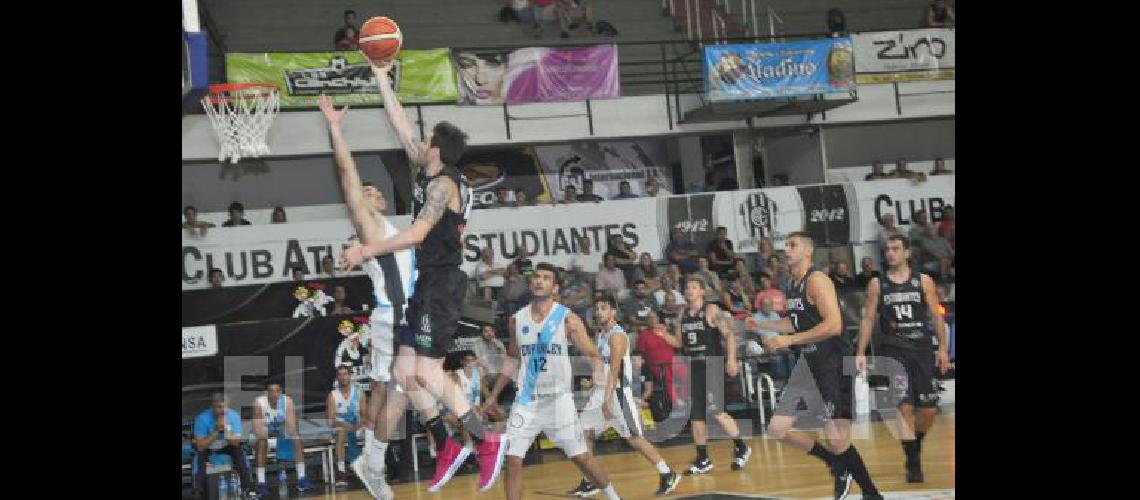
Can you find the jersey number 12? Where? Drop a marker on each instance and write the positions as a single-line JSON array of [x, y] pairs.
[[539, 364]]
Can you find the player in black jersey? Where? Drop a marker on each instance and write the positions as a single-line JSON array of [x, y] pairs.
[[817, 386], [441, 206], [907, 304], [703, 335]]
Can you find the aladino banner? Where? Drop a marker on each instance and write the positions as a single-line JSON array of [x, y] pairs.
[[767, 70], [539, 74], [417, 76]]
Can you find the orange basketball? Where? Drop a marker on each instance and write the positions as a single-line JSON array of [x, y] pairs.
[[380, 39]]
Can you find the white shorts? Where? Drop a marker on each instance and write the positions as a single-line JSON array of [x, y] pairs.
[[626, 416], [555, 416], [383, 347]]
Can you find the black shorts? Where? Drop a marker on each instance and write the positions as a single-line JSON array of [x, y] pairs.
[[704, 402], [433, 311], [817, 388], [917, 388]]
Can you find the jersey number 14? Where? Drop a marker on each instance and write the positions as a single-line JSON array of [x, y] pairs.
[[904, 311]]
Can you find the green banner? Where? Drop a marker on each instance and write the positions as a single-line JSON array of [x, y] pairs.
[[418, 76]]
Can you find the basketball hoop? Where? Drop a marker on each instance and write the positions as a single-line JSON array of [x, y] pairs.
[[241, 114]]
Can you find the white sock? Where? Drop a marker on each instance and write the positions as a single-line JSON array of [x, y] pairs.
[[662, 467], [369, 438], [611, 494], [261, 474], [300, 470], [376, 455], [340, 466]]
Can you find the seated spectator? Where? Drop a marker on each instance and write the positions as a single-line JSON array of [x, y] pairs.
[[782, 362], [940, 168], [681, 251], [217, 277], [542, 10], [673, 273], [668, 287], [571, 13], [345, 409], [833, 260], [275, 416], [842, 276], [569, 194], [656, 356], [521, 198], [343, 32], [646, 270], [488, 278], [720, 252], [278, 216], [516, 292], [610, 279], [340, 301], [902, 172], [671, 306], [520, 12], [946, 227], [503, 198], [489, 351], [651, 187], [625, 255], [737, 299], [768, 290], [195, 226], [939, 258], [635, 308], [578, 294], [939, 15], [746, 279], [349, 41], [712, 291], [624, 191], [867, 271], [237, 216], [218, 430], [525, 265], [588, 192], [920, 231], [877, 172], [328, 266], [587, 259]]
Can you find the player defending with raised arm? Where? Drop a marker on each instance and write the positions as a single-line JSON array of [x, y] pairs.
[[907, 302], [441, 205], [545, 401]]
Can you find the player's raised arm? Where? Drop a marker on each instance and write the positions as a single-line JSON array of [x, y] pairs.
[[396, 116], [350, 183]]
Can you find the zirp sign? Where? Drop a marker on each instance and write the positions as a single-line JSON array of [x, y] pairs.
[[199, 341]]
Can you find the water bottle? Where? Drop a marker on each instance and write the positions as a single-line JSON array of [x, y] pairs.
[[282, 484], [223, 489], [235, 486]]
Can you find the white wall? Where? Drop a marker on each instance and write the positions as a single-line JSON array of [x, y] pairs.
[[305, 132]]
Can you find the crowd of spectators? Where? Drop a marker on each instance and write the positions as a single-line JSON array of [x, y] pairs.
[[570, 16], [901, 171]]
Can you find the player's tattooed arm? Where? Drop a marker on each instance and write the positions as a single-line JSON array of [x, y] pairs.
[[439, 194], [396, 115]]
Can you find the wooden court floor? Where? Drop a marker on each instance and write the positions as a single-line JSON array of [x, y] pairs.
[[774, 470]]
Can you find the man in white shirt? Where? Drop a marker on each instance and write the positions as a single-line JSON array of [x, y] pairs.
[[487, 277]]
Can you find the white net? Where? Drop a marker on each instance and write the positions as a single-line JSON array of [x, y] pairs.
[[241, 118]]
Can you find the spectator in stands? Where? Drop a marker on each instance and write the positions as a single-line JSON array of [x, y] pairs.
[[867, 271], [278, 216], [842, 276], [768, 290], [571, 14], [887, 227], [939, 257], [521, 198], [712, 291], [525, 265], [668, 287], [569, 194], [489, 279], [836, 23], [192, 223], [503, 198], [516, 291], [542, 10], [489, 351], [340, 301], [349, 41], [877, 172], [673, 273], [939, 15], [328, 266], [626, 256], [520, 11], [940, 168], [902, 172], [588, 192], [610, 278], [237, 216], [635, 308], [672, 304], [782, 277], [577, 293], [349, 29], [646, 270], [833, 260], [919, 232], [746, 279], [624, 191], [298, 273], [681, 251], [737, 299], [656, 356], [587, 260], [946, 228], [217, 277], [218, 430], [651, 187], [720, 252], [781, 361]]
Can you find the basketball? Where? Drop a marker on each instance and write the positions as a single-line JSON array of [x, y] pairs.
[[380, 39]]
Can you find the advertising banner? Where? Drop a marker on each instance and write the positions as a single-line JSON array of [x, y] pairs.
[[904, 56], [768, 70]]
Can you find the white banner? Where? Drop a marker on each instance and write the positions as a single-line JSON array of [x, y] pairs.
[[606, 164], [199, 341], [900, 197], [759, 213], [894, 56]]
